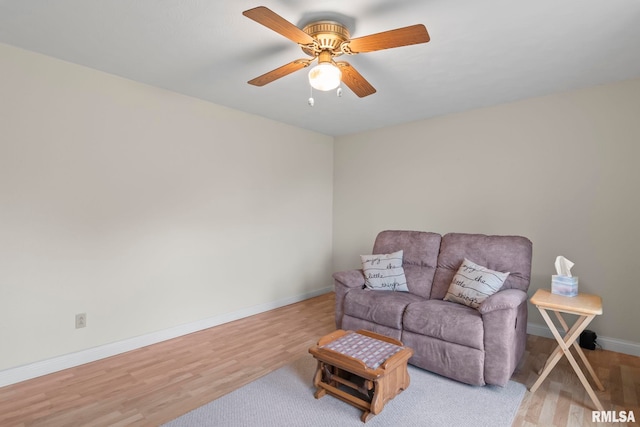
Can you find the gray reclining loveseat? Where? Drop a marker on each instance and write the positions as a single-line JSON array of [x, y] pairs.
[[476, 346]]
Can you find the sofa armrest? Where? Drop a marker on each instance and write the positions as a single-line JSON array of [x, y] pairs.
[[506, 299], [345, 281], [350, 278], [504, 316]]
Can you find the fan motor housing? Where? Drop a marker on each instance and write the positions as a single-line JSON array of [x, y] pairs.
[[328, 34]]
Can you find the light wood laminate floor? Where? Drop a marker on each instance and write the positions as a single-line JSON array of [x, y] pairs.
[[155, 384]]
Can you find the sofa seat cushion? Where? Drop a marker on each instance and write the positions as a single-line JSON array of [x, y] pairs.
[[384, 308], [447, 321]]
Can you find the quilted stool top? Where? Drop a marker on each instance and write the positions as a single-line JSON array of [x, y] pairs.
[[370, 351]]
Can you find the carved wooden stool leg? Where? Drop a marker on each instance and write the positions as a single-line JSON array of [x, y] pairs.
[[376, 402], [366, 416], [317, 378]]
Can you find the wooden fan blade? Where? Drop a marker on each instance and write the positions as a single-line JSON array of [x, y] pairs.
[[405, 36], [354, 80], [280, 72], [277, 23]]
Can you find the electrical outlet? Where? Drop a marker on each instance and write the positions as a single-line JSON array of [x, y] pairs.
[[81, 320]]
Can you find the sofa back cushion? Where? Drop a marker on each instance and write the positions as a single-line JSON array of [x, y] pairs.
[[420, 256], [501, 253]]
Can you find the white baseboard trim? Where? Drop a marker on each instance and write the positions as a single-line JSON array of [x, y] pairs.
[[611, 344], [55, 364]]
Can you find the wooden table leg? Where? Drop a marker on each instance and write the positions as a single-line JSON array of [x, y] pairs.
[[557, 352], [576, 345], [564, 345]]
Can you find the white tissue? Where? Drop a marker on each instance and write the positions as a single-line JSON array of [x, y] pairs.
[[563, 266]]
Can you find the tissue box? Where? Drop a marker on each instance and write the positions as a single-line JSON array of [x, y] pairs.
[[564, 285]]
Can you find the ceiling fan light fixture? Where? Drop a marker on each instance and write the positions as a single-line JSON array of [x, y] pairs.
[[325, 76], [325, 39]]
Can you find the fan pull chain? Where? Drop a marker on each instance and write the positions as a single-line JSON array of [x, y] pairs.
[[311, 101]]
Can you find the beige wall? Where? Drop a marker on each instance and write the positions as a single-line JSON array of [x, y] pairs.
[[145, 209], [561, 170]]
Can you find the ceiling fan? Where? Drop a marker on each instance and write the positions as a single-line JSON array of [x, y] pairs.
[[325, 40]]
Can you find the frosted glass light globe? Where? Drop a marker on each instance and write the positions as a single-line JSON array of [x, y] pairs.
[[325, 76]]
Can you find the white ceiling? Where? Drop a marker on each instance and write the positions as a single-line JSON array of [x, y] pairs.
[[481, 53]]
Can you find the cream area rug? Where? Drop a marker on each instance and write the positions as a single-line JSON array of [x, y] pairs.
[[285, 398]]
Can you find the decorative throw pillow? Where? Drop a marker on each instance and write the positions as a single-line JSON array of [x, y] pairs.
[[474, 283], [384, 272]]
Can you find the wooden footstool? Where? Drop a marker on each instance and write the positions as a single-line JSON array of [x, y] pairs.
[[361, 368]]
